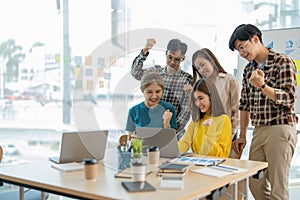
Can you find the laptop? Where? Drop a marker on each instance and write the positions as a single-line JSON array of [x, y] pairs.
[[76, 146], [164, 138]]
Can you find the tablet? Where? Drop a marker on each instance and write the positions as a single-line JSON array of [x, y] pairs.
[[138, 186]]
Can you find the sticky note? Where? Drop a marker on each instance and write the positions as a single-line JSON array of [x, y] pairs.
[[100, 72], [107, 76], [77, 72], [101, 61], [78, 60], [88, 60], [57, 58], [101, 84], [113, 61], [89, 85], [89, 72], [78, 84]]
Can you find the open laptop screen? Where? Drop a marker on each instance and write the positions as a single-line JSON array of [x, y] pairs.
[[164, 138], [76, 146]]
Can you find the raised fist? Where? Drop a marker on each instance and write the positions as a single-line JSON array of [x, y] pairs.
[[150, 43]]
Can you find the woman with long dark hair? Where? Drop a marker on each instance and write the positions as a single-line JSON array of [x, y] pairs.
[[210, 132]]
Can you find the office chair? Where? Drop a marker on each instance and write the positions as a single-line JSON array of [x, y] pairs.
[[29, 194]]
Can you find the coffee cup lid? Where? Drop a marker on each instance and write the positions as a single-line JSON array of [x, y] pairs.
[[153, 148], [136, 164], [89, 161]]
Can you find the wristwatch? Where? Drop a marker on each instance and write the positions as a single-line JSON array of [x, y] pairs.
[[263, 86]]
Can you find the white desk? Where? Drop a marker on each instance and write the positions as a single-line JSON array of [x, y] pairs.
[[45, 178]]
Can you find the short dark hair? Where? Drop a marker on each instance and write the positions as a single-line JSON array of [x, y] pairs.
[[175, 44], [209, 88], [244, 32]]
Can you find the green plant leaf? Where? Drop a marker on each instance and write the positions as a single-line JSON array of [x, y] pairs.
[[137, 145]]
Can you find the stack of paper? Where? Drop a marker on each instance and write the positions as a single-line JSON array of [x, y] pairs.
[[219, 170]]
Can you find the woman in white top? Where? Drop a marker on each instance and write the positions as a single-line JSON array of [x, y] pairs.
[[206, 65]]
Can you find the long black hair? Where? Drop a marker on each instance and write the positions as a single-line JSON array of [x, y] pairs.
[[207, 87], [208, 55]]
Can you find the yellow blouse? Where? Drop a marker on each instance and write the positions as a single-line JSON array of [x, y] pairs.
[[212, 140]]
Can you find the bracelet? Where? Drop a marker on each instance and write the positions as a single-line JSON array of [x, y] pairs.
[[263, 86]]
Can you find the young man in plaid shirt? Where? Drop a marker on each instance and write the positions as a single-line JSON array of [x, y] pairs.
[[268, 97], [174, 79]]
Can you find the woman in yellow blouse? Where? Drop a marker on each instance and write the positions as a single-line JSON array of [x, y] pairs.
[[210, 131]]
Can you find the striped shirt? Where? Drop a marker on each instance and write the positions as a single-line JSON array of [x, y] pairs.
[[174, 92], [280, 74]]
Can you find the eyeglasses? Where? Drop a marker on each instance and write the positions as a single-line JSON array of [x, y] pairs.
[[175, 59], [242, 47]]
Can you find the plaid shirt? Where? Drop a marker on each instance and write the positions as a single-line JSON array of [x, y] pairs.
[[173, 92], [280, 74]]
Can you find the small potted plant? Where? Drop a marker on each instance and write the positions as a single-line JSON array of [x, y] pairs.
[[137, 149]]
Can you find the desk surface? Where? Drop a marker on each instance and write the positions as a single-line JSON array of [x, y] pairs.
[[43, 176]]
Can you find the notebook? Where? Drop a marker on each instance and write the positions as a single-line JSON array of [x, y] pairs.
[[173, 170], [76, 146], [164, 138], [173, 167]]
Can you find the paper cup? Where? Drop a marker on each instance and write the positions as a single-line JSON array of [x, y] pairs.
[[153, 155], [138, 171], [90, 169]]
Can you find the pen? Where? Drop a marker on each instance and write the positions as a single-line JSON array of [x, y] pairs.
[[142, 185], [219, 162], [186, 155], [225, 167], [148, 173], [210, 164]]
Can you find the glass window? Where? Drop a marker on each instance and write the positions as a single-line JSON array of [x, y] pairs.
[[66, 67]]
